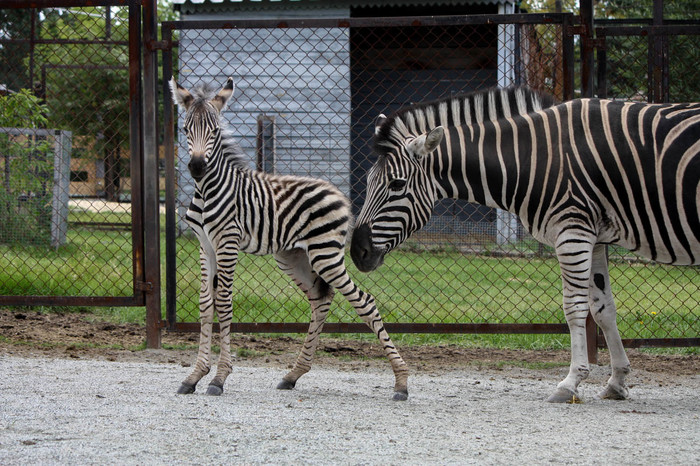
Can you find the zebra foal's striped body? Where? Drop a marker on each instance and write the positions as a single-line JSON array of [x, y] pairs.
[[580, 175], [303, 222]]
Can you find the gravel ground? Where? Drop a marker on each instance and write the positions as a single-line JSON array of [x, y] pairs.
[[87, 411]]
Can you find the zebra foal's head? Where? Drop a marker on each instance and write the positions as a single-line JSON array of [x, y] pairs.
[[400, 193], [202, 122]]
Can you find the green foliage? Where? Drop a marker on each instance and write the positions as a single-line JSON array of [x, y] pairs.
[[628, 56], [14, 24], [25, 200], [22, 110]]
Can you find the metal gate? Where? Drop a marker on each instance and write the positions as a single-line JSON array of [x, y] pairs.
[[78, 224]]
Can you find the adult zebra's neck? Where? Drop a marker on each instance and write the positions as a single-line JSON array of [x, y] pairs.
[[458, 169], [478, 163]]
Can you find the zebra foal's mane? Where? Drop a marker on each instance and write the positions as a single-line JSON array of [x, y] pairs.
[[202, 94], [462, 109]]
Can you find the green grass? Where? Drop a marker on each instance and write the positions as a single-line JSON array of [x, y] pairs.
[[412, 286]]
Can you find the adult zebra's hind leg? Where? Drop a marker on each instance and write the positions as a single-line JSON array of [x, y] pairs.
[[320, 295], [603, 309], [332, 270], [574, 252]]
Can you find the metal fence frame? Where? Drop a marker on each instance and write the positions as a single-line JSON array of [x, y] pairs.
[[566, 20], [143, 45], [571, 27], [144, 225]]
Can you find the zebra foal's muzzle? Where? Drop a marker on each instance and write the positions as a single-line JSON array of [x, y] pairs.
[[197, 167], [363, 253]]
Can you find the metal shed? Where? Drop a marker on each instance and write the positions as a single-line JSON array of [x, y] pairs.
[[306, 99]]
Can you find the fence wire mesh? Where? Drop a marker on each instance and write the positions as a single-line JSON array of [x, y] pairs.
[[305, 104], [319, 90], [65, 153]]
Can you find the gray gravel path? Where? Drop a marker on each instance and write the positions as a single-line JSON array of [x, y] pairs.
[[62, 411]]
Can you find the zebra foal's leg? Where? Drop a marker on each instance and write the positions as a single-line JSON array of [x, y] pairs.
[[206, 319], [333, 271], [604, 312], [227, 258], [320, 295], [574, 255]]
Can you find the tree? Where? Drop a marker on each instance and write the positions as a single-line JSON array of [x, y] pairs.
[[14, 24], [86, 84]]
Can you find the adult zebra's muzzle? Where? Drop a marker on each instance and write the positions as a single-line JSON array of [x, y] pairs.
[[197, 166], [363, 253]]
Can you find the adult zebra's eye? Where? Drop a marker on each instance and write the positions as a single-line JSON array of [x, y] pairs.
[[397, 184]]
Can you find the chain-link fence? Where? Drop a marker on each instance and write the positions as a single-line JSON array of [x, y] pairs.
[[305, 102], [66, 158], [307, 95], [642, 62]]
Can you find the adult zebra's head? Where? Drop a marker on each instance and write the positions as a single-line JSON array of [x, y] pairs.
[[400, 193], [202, 122]]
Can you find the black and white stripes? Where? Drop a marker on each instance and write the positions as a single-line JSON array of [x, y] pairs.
[[303, 222], [580, 175]]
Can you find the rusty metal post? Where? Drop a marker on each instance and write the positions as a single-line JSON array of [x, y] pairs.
[[170, 204], [602, 64], [659, 61], [587, 62], [151, 211], [568, 57]]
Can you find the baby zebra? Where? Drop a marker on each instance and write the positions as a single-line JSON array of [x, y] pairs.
[[302, 222]]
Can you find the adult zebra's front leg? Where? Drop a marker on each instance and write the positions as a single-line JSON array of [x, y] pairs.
[[295, 263]]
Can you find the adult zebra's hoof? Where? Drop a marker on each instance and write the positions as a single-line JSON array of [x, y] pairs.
[[401, 395], [564, 395], [186, 389], [285, 385]]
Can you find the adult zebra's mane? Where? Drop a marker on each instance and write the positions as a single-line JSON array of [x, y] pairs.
[[462, 109], [232, 151]]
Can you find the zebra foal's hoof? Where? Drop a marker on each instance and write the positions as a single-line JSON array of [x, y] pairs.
[[285, 385], [614, 393], [401, 395], [564, 395], [186, 389], [215, 390]]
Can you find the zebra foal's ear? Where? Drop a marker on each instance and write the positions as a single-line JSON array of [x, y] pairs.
[[219, 102], [378, 122], [427, 142], [181, 96]]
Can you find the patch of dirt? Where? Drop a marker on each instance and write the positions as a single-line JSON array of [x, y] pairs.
[[74, 335]]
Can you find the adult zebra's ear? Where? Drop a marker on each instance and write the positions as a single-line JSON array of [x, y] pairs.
[[181, 96], [221, 99], [426, 142], [379, 122]]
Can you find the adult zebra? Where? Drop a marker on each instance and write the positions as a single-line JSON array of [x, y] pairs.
[[303, 222], [580, 175]]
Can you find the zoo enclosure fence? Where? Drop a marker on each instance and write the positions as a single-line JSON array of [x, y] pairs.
[[78, 222], [307, 93], [327, 80]]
